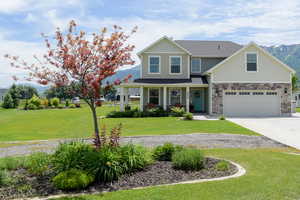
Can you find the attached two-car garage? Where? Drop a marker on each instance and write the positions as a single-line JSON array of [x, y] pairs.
[[238, 103]]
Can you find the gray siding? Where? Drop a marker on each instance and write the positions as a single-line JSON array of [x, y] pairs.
[[207, 63]]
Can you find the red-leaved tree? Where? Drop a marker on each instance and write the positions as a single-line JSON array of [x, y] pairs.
[[82, 61]]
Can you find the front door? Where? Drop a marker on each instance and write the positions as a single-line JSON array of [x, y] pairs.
[[198, 100]]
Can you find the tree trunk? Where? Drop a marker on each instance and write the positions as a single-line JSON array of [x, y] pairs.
[[97, 141]]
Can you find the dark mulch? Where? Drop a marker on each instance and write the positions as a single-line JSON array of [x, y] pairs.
[[156, 174]]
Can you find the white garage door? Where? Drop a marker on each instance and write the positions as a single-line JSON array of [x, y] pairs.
[[251, 103]]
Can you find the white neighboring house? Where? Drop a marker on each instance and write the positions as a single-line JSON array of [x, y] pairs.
[[213, 77], [296, 98], [2, 93]]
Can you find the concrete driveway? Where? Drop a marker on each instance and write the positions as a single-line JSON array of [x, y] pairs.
[[285, 130]]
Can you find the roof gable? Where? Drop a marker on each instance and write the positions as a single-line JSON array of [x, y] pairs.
[[165, 45], [259, 49]]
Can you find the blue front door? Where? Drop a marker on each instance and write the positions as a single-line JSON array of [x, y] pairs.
[[198, 100]]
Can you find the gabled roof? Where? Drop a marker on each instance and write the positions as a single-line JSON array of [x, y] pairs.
[[246, 46], [215, 49], [162, 38]]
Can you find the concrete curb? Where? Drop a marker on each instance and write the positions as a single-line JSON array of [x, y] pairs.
[[241, 171]]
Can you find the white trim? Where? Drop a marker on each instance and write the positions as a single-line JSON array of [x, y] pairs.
[[141, 98], [157, 41], [165, 98], [159, 63], [180, 91], [170, 64], [242, 49], [187, 99], [189, 66], [141, 70], [163, 52], [246, 61], [158, 94], [192, 64]]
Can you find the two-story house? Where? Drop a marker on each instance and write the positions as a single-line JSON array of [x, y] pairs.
[[213, 77]]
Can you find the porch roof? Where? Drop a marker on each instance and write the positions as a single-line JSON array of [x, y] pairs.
[[195, 80]]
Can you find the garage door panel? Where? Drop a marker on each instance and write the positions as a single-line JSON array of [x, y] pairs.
[[251, 105]]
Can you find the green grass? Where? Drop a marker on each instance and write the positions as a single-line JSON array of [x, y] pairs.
[[270, 175], [20, 125], [297, 109]]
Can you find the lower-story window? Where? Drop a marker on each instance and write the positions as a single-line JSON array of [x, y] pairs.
[[154, 96], [175, 96]]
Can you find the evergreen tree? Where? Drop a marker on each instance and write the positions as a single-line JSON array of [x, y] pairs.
[[15, 95], [8, 101]]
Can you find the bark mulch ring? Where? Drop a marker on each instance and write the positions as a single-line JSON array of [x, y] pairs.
[[159, 173]]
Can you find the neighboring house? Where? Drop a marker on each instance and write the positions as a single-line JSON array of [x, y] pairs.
[[2, 93], [296, 97], [133, 93], [213, 77]]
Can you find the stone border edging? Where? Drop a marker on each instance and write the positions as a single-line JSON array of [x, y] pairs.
[[241, 171]]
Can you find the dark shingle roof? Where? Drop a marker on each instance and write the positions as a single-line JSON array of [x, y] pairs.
[[192, 80], [209, 48]]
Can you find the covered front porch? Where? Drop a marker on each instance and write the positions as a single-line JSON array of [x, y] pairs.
[[192, 97]]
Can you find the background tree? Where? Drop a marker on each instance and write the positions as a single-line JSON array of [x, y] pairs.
[[8, 101], [62, 92], [294, 83], [15, 95], [26, 91], [73, 58]]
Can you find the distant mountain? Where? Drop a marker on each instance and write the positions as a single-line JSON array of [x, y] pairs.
[[134, 71], [289, 54]]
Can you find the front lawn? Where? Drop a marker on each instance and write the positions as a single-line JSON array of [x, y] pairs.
[[271, 175], [20, 125]]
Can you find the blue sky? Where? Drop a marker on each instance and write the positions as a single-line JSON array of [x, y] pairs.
[[267, 22]]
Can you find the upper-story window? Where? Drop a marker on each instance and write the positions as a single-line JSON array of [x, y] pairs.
[[196, 65], [251, 59], [154, 64], [175, 64]]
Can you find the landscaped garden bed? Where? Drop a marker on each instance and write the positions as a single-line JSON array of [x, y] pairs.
[[76, 167]]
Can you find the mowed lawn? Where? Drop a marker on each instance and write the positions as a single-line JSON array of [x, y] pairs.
[[271, 175], [20, 125]]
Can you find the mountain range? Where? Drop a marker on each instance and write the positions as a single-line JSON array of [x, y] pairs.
[[289, 54]]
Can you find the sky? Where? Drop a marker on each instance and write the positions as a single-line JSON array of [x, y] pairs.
[[266, 22]]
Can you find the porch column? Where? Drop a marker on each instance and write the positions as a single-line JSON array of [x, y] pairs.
[[187, 94], [165, 98], [122, 98], [141, 98], [126, 95]]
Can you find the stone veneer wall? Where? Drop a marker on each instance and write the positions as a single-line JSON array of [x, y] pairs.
[[218, 88]]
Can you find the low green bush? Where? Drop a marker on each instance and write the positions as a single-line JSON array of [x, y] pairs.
[[135, 157], [188, 159], [153, 112], [31, 106], [5, 178], [36, 101], [109, 165], [165, 152], [72, 179], [67, 104], [75, 154], [188, 116], [55, 102], [177, 111], [38, 163], [11, 163], [222, 117], [223, 165]]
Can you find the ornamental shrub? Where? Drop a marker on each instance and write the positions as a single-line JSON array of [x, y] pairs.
[[11, 163], [31, 107], [109, 165], [222, 117], [35, 101], [67, 104], [77, 155], [188, 116], [55, 102], [38, 163], [165, 152], [188, 159], [72, 179], [135, 157], [8, 101], [223, 165], [5, 178], [177, 111]]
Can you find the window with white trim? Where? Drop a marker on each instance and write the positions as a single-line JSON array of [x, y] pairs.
[[154, 96], [175, 96], [154, 62], [196, 65], [175, 64], [251, 62]]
